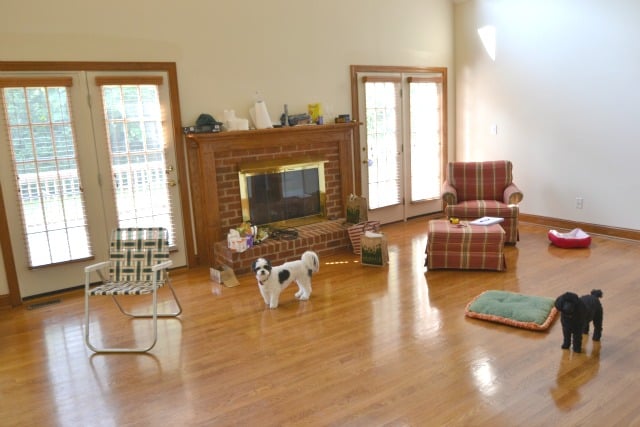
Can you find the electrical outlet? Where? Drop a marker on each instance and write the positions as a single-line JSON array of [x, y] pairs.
[[579, 202]]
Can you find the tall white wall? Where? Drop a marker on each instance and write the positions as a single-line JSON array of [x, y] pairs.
[[563, 95], [295, 53]]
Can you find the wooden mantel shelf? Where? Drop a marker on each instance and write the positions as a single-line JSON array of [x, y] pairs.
[[230, 139], [213, 171]]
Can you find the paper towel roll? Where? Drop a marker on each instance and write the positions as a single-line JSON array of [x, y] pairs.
[[262, 119]]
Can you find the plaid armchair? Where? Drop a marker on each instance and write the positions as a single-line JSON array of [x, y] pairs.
[[476, 189]]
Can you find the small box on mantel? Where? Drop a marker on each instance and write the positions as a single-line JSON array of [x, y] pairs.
[[224, 275]]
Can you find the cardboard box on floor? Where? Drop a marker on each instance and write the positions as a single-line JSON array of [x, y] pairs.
[[224, 275]]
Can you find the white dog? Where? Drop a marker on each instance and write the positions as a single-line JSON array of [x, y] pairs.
[[273, 280]]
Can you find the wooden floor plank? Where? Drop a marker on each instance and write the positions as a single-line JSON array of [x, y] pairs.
[[373, 346]]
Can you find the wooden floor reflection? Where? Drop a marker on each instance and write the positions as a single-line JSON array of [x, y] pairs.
[[373, 346]]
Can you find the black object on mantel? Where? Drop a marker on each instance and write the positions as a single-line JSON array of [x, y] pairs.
[[204, 124]]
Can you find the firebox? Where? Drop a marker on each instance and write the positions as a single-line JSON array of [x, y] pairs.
[[283, 192]]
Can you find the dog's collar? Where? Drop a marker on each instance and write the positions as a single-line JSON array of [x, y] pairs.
[[260, 283]]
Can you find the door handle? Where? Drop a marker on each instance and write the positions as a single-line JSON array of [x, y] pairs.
[[171, 183]]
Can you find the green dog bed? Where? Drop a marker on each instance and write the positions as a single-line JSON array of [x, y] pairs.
[[513, 309]]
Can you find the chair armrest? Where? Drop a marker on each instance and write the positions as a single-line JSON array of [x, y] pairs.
[[512, 194], [162, 265], [98, 266], [449, 193]]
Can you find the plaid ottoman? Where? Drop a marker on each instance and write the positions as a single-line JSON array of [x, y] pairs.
[[464, 246]]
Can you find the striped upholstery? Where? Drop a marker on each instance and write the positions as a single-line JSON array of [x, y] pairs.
[[468, 247], [133, 251], [480, 180], [476, 189]]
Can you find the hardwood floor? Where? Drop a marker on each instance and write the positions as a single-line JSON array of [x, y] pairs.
[[373, 346]]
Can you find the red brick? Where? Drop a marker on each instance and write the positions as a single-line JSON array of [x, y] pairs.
[[324, 238]]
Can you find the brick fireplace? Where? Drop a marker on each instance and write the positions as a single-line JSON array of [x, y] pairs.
[[214, 161]]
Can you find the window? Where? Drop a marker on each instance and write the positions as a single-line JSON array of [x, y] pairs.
[[383, 113], [133, 121], [425, 95], [42, 145]]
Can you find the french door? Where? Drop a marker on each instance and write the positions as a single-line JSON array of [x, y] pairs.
[[402, 142], [83, 153]]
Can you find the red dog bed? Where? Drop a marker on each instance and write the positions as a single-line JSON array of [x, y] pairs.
[[575, 238]]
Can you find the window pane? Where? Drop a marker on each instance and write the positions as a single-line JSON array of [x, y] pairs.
[[44, 158], [38, 108], [22, 144], [59, 105], [383, 140], [426, 134], [16, 106], [136, 142]]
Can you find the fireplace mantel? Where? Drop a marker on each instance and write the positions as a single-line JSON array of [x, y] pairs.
[[214, 160]]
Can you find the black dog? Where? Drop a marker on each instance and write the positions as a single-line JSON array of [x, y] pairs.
[[576, 313]]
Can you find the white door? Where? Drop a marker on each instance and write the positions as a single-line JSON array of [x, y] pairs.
[[401, 143], [63, 166]]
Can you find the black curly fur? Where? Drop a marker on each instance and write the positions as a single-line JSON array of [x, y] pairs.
[[576, 313]]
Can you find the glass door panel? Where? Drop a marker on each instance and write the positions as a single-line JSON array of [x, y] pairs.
[[136, 148], [42, 145]]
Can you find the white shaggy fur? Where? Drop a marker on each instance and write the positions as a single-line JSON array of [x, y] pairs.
[[273, 280]]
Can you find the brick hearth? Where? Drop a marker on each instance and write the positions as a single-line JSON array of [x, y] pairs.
[[214, 161], [323, 237]]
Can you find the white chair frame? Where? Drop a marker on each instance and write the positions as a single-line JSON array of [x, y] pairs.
[[99, 268]]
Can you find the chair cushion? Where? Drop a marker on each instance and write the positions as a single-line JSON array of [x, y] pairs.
[[480, 180], [124, 288], [479, 208]]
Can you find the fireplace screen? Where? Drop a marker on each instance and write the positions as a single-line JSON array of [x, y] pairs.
[[290, 194]]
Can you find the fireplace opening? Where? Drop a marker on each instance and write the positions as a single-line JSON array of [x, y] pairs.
[[283, 194]]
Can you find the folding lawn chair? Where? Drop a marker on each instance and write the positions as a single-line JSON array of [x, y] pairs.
[[138, 263]]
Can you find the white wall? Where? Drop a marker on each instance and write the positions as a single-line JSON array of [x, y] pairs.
[[563, 93], [294, 53]]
